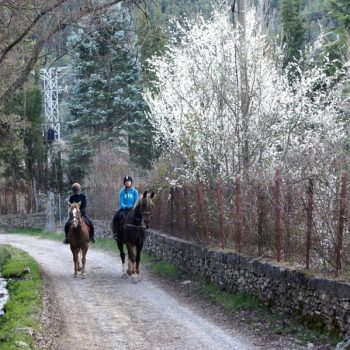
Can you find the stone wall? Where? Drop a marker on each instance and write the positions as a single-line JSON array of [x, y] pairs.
[[323, 303], [102, 228], [37, 220]]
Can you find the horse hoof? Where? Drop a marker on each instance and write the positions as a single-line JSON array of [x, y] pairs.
[[128, 272], [124, 276], [83, 276], [135, 278], [75, 275]]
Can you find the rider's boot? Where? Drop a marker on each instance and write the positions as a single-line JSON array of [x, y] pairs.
[[92, 234], [66, 240], [66, 228]]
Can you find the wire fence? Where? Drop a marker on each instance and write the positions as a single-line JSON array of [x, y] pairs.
[[302, 222]]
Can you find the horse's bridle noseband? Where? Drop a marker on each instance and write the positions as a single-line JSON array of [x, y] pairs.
[[139, 220], [76, 217]]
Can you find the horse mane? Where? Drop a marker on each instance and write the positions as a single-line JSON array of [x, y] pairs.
[[135, 212], [148, 199]]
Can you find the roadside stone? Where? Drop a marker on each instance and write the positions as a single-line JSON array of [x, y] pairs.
[[25, 330], [21, 344], [26, 271]]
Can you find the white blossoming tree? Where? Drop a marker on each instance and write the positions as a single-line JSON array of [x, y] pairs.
[[227, 108]]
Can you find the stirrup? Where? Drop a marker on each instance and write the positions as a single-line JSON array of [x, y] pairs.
[[66, 241], [92, 239]]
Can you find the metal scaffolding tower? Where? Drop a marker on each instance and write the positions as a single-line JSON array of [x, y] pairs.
[[52, 117], [52, 134]]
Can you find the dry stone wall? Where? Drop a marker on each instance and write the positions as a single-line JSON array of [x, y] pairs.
[[37, 220], [322, 302]]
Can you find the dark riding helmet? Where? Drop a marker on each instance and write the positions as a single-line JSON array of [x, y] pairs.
[[76, 187], [127, 178]]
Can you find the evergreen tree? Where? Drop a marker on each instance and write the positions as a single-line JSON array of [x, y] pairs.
[[24, 159], [293, 29], [106, 102], [340, 12], [151, 37]]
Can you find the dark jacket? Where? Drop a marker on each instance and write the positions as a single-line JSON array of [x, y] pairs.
[[76, 198]]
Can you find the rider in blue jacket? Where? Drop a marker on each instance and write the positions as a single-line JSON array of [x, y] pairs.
[[128, 196]]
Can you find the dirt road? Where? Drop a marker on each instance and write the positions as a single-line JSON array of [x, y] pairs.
[[105, 311]]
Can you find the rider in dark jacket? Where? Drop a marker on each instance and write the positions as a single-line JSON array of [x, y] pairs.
[[77, 197], [128, 196]]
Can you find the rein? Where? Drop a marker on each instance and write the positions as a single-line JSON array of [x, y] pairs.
[[139, 226]]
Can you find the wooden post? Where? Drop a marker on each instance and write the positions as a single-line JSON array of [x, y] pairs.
[[221, 214], [187, 220], [278, 214], [261, 210], [171, 210], [310, 193], [342, 210], [202, 209], [239, 214]]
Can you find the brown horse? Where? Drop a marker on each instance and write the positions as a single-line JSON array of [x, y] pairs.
[[78, 236], [133, 233]]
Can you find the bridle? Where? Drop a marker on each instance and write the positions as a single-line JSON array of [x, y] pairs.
[[75, 219], [139, 220]]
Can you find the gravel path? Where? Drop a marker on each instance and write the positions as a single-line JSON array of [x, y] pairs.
[[105, 311]]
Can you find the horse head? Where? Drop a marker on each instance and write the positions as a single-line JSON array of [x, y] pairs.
[[74, 214], [145, 208]]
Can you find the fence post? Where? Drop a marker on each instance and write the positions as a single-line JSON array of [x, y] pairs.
[[260, 217], [342, 209], [288, 213], [187, 221], [177, 214], [278, 213], [239, 219], [221, 214], [310, 195], [171, 210], [202, 210]]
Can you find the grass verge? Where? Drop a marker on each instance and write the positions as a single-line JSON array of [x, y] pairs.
[[24, 284], [233, 302]]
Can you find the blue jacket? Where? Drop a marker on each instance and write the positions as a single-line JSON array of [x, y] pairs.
[[128, 197]]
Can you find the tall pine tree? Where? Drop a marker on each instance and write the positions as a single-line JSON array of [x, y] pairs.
[[340, 12], [293, 29], [106, 102]]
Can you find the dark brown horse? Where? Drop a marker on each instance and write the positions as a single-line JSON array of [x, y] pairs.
[[133, 233], [78, 236]]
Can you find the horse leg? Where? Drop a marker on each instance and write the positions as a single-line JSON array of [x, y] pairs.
[[131, 259], [138, 258], [83, 261], [75, 260], [122, 256], [79, 259]]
